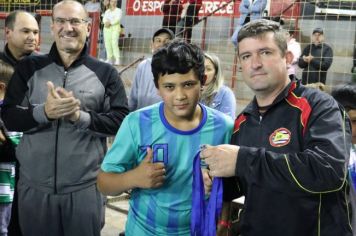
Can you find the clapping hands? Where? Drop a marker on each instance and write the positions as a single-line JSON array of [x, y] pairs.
[[61, 104]]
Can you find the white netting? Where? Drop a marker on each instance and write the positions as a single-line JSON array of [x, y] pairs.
[[142, 17]]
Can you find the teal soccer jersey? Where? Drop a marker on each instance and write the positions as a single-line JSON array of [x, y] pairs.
[[164, 210]]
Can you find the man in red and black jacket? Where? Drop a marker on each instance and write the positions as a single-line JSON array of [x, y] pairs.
[[290, 148]]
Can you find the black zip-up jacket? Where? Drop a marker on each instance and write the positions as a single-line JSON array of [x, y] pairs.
[[59, 156], [7, 56], [316, 70], [292, 166]]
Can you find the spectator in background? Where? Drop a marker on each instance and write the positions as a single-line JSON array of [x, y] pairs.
[[66, 102], [92, 6], [172, 10], [143, 91], [249, 10], [22, 39], [111, 20], [215, 94], [22, 36], [294, 48], [346, 96], [102, 52], [189, 17], [316, 59]]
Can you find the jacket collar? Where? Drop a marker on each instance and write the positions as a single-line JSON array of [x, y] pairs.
[[252, 107], [54, 55], [10, 59]]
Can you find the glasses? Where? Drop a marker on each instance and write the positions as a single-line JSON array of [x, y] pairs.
[[72, 21]]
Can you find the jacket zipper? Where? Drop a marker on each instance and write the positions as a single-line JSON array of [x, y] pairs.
[[57, 135]]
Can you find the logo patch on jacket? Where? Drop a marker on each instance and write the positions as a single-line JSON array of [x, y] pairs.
[[280, 137]]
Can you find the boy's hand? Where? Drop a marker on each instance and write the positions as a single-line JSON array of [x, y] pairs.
[[208, 181], [150, 175]]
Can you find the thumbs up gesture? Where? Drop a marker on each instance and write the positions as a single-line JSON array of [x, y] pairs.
[[148, 174]]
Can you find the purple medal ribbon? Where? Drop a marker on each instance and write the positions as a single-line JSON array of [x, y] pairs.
[[205, 213]]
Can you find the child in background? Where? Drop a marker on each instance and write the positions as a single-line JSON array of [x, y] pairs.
[[7, 169], [155, 147], [215, 94], [111, 20]]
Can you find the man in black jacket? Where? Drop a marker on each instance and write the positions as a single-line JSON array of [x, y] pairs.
[[290, 147], [316, 59], [22, 36]]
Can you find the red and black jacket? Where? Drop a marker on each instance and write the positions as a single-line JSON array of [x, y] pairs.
[[291, 166]]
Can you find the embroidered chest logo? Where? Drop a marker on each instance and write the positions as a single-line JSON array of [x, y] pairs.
[[280, 137]]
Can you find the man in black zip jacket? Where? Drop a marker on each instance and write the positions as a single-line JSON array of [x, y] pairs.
[[66, 103], [22, 38], [289, 151]]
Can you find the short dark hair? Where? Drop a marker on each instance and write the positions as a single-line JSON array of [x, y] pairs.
[[11, 18], [345, 95], [258, 28], [6, 71], [178, 57]]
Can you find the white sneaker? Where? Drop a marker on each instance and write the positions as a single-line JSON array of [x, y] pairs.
[[108, 61], [117, 62]]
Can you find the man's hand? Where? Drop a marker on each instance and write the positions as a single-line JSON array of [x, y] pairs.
[[221, 159], [308, 59], [148, 174], [57, 107], [208, 181], [65, 94]]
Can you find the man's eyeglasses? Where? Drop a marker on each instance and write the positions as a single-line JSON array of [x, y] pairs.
[[72, 21]]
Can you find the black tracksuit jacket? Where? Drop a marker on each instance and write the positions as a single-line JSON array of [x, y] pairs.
[[291, 166]]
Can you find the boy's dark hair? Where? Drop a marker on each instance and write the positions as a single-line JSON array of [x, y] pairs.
[[6, 71], [345, 95], [258, 28], [178, 57]]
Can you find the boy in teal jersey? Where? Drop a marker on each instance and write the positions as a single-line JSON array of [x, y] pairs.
[[154, 149]]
